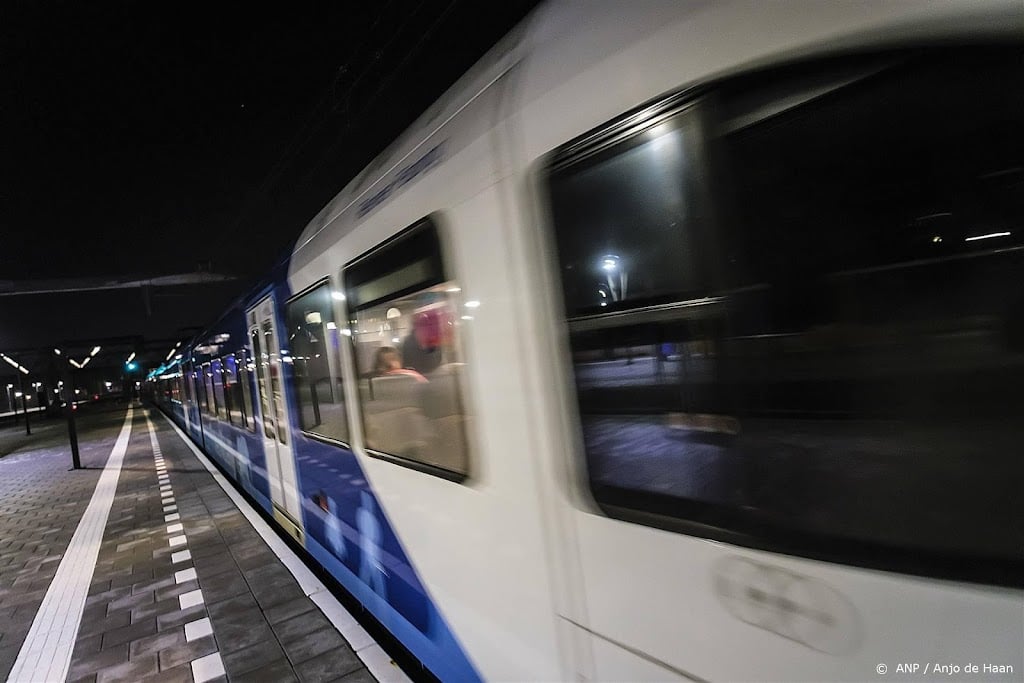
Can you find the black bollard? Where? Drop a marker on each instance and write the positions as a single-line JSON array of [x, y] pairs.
[[73, 436], [24, 406]]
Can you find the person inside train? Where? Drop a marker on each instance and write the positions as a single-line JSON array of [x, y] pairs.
[[388, 361], [421, 348]]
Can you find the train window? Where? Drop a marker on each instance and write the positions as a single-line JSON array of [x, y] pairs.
[[217, 369], [186, 380], [314, 340], [862, 340], [232, 390], [405, 332], [200, 387], [261, 360], [245, 369], [207, 378], [630, 221]]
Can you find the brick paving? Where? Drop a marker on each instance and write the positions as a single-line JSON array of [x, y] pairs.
[[217, 602], [41, 503]]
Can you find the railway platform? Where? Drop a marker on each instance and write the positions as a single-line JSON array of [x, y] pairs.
[[145, 565]]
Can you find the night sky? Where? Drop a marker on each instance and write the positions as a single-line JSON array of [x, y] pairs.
[[139, 140]]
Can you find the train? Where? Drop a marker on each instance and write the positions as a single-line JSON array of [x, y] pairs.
[[675, 341]]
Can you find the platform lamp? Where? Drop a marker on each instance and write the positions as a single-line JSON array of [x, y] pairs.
[[21, 383]]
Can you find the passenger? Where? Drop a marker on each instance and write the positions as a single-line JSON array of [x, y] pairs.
[[388, 361], [422, 347]]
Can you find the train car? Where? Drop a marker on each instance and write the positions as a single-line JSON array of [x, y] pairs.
[[678, 340]]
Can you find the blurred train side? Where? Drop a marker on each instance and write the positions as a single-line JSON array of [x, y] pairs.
[[519, 565]]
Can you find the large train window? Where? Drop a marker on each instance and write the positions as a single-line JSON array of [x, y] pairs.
[[860, 340], [314, 340], [405, 332]]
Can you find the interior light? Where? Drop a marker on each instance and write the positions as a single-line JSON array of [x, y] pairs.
[[337, 296], [94, 351], [473, 304]]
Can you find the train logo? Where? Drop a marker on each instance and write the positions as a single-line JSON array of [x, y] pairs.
[[792, 605]]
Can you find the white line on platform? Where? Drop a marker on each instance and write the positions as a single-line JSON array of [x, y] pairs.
[[46, 653]]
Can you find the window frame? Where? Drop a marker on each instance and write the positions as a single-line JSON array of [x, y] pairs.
[[374, 263], [342, 367]]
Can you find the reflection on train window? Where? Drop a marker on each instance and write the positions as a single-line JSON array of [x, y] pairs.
[[405, 332], [207, 377], [200, 387], [314, 341], [233, 391], [186, 380], [245, 369], [259, 366], [864, 343], [217, 368], [629, 222]]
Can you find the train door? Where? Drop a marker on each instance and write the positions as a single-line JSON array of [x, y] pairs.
[[280, 462]]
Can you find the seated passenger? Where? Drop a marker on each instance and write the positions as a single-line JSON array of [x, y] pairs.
[[388, 361]]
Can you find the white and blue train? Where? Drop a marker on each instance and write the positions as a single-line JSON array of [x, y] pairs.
[[678, 340]]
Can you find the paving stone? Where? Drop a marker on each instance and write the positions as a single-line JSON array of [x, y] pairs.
[[328, 666], [313, 644], [174, 590], [268, 598], [299, 626], [287, 610], [130, 601], [235, 634], [153, 584], [182, 654], [100, 660], [224, 585], [252, 657], [179, 674], [130, 671], [129, 633], [155, 609], [90, 678], [361, 675], [211, 565], [279, 671], [155, 643], [114, 621], [241, 605], [90, 645]]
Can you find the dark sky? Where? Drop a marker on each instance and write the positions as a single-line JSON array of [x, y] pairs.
[[139, 140]]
